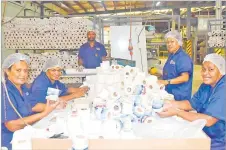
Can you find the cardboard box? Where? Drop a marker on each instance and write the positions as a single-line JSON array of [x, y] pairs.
[[150, 144], [201, 143], [51, 144]]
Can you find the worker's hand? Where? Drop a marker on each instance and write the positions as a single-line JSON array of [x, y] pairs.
[[168, 112], [79, 93], [62, 104], [50, 107], [84, 88], [169, 103], [162, 82]]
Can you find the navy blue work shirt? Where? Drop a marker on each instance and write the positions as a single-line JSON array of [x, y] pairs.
[[211, 101], [40, 86], [21, 103], [176, 64], [92, 56]]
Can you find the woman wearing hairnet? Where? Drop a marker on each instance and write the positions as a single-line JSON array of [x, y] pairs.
[[208, 101], [49, 78], [178, 69], [15, 68]]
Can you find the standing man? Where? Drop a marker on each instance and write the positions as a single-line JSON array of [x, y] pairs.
[[92, 53], [178, 69]]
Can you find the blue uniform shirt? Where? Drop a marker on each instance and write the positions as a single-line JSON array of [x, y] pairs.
[[40, 86], [175, 65], [211, 101], [92, 56], [21, 103]]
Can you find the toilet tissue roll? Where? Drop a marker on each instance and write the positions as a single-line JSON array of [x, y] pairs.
[[113, 93], [128, 89], [99, 87], [80, 142], [104, 94], [101, 78], [127, 108], [148, 119], [105, 65], [110, 127], [127, 124], [116, 109], [139, 111]]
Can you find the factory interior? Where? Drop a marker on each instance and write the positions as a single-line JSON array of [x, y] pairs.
[[104, 75]]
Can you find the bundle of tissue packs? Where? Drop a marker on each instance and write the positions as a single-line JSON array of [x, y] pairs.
[[133, 93], [52, 94]]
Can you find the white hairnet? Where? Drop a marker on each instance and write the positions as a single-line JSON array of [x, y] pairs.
[[52, 63], [217, 60], [176, 35], [91, 31], [14, 58]]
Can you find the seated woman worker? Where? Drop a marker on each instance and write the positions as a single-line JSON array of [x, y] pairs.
[[49, 78], [209, 101], [14, 93]]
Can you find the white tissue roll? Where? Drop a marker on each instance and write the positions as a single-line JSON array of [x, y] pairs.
[[105, 65], [127, 125], [128, 89], [80, 142], [74, 125], [52, 97], [104, 94], [113, 92], [148, 119], [139, 78], [127, 108], [99, 87], [139, 111], [111, 129], [101, 78], [116, 109]]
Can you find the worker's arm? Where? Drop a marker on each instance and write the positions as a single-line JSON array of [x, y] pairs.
[[190, 116], [184, 77], [183, 105], [74, 90], [80, 62], [14, 125], [104, 58], [71, 96], [39, 107]]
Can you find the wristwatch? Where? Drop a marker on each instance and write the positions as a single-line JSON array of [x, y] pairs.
[[168, 81]]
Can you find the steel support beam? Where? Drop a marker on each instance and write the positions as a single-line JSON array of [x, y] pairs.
[[218, 9], [176, 12], [69, 6], [54, 8], [144, 9], [188, 23], [114, 3], [58, 5], [103, 4], [41, 10], [92, 5], [83, 8]]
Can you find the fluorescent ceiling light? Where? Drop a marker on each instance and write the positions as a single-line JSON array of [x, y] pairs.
[[158, 3]]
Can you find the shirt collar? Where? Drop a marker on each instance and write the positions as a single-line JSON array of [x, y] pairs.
[[47, 78], [178, 51], [221, 81], [10, 85], [95, 43]]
